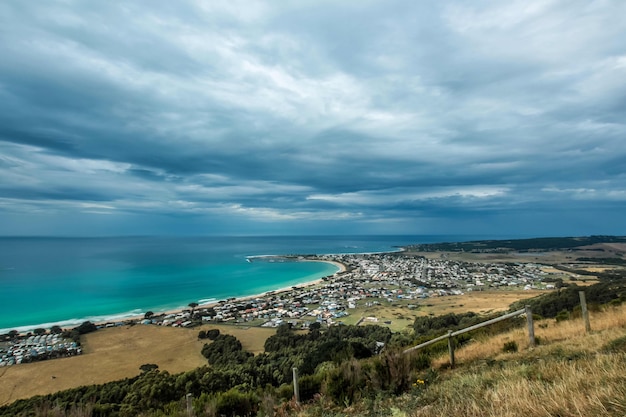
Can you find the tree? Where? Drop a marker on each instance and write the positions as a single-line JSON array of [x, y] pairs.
[[56, 329], [147, 367], [86, 327], [315, 326], [39, 331], [148, 314]]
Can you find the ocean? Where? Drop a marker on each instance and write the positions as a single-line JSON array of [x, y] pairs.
[[65, 281]]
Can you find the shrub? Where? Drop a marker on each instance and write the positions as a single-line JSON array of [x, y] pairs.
[[285, 392], [562, 316], [308, 386], [212, 334], [235, 403], [147, 367]]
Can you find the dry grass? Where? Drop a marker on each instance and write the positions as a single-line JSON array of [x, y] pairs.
[[564, 376], [482, 302], [402, 318], [606, 325], [117, 353], [590, 387]]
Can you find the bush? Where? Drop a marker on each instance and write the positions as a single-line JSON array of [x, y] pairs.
[[212, 334], [235, 403], [562, 316], [308, 386], [285, 392], [147, 367]]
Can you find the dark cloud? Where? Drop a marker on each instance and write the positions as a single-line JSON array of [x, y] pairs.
[[238, 117]]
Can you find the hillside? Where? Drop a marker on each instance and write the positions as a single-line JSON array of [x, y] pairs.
[[359, 368], [569, 374]]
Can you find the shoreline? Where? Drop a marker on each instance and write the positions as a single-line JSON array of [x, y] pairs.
[[282, 290], [137, 314]]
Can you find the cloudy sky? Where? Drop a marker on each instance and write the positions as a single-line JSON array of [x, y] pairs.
[[324, 117]]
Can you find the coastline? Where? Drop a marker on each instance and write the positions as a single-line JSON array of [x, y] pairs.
[[138, 314], [282, 290]]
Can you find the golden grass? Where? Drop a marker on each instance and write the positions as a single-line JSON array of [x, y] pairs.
[[117, 353], [402, 318], [477, 301], [593, 387], [566, 375]]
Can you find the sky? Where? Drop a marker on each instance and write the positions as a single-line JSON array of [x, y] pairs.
[[312, 117]]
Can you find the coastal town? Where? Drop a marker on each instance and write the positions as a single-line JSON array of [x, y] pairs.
[[363, 281]]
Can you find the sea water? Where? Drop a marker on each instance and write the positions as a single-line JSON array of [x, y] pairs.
[[46, 281]]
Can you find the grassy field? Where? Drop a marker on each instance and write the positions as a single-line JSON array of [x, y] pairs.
[[401, 317], [117, 353]]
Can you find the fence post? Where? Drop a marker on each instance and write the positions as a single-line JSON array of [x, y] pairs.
[[296, 389], [451, 348], [189, 404], [583, 306], [531, 326]]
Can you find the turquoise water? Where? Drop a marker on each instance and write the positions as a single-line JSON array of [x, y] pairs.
[[44, 281]]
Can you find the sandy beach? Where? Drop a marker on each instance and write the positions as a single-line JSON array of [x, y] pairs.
[[139, 317]]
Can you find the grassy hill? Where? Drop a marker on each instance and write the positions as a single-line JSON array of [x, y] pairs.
[[569, 374]]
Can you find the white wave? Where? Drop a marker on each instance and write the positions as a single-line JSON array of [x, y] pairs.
[[71, 323]]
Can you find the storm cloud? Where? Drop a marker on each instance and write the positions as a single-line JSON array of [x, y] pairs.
[[312, 117]]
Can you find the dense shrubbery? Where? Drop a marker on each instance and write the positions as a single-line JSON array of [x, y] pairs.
[[567, 299], [236, 381], [543, 243], [225, 350], [77, 332]]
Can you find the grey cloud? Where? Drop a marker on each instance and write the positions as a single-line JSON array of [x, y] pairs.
[[251, 112]]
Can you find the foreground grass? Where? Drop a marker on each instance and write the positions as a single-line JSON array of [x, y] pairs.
[[569, 374]]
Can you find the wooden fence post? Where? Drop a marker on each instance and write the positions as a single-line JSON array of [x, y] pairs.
[[451, 348], [296, 388], [531, 326], [189, 404], [583, 306]]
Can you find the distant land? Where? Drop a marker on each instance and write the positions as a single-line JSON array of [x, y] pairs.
[[532, 244]]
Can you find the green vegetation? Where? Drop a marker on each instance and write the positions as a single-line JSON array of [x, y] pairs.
[[606, 261], [536, 244], [236, 381], [566, 299], [84, 328]]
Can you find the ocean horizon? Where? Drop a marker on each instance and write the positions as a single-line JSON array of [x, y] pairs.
[[67, 280]]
